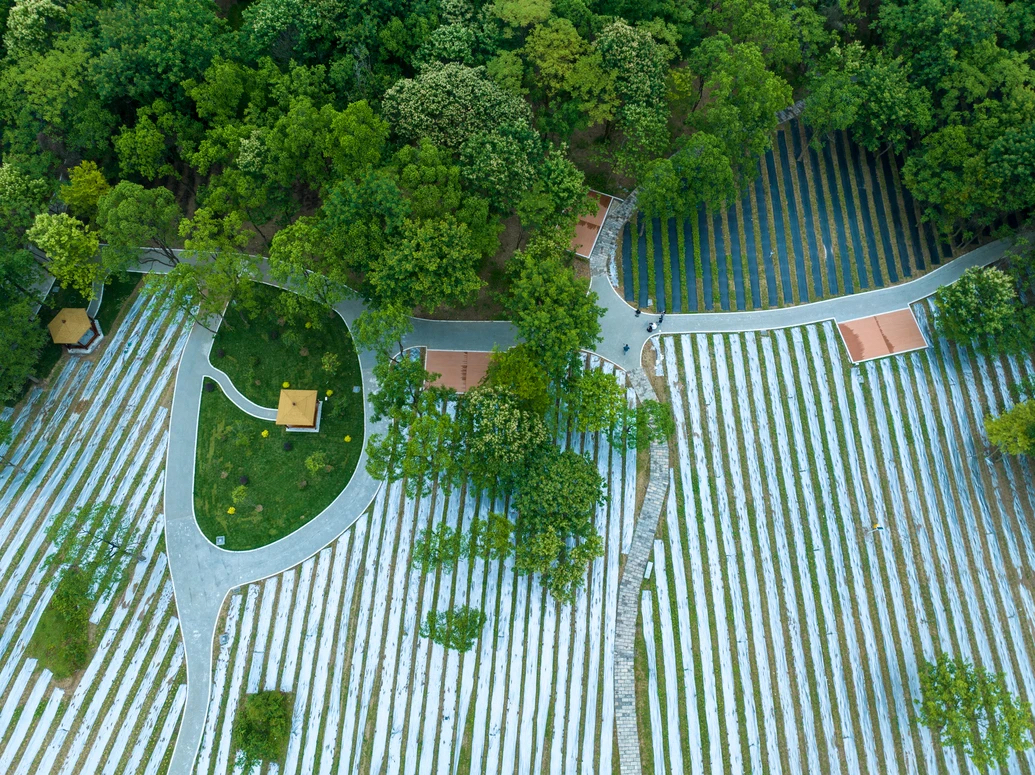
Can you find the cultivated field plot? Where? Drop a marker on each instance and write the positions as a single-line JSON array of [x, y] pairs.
[[788, 630], [826, 224], [535, 694], [97, 435]]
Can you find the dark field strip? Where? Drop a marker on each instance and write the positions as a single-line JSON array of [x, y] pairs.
[[811, 225]]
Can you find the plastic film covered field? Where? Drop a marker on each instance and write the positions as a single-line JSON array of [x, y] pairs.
[[789, 629], [97, 435], [341, 631]]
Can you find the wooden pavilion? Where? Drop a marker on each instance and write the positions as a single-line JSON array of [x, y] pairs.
[[75, 330], [299, 410]]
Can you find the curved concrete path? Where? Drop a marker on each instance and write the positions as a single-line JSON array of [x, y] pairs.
[[203, 574]]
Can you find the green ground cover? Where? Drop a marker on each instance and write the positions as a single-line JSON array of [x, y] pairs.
[[272, 490], [61, 640], [266, 352]]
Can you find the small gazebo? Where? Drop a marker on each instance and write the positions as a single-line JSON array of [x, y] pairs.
[[299, 410], [75, 329]]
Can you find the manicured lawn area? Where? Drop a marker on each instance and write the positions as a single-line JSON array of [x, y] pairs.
[[284, 489], [270, 350]]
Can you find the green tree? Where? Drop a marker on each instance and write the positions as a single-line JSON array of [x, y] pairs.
[[262, 728], [381, 329], [86, 186], [500, 164], [22, 339], [501, 438], [743, 97], [554, 311], [517, 371], [302, 258], [213, 274], [557, 198], [598, 402], [1013, 431], [556, 502], [432, 264], [977, 308], [698, 173], [22, 198], [31, 24], [131, 217], [971, 707], [449, 104], [71, 250], [458, 628]]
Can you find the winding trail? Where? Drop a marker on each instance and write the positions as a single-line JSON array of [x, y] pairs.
[[203, 574]]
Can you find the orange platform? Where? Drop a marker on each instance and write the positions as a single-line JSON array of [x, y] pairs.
[[880, 335]]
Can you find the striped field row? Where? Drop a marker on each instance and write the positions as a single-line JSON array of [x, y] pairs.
[[828, 527], [97, 435]]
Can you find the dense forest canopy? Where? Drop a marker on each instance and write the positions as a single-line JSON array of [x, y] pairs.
[[385, 145]]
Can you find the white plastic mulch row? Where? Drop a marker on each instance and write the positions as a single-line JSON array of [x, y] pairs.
[[838, 524], [341, 632], [70, 442]]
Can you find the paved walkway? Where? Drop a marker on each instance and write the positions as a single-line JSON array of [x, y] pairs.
[[203, 575]]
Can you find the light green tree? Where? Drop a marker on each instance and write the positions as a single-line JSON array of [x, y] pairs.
[[977, 308], [1013, 431], [131, 217], [381, 329], [972, 708], [698, 173], [500, 437], [71, 250], [86, 185]]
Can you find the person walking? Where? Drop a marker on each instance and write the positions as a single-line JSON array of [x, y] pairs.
[[637, 312], [650, 328]]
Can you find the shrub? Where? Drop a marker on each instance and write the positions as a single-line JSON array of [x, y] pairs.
[[331, 363], [458, 628], [316, 463], [262, 728]]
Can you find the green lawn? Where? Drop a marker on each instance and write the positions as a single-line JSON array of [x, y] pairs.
[[261, 356], [258, 358]]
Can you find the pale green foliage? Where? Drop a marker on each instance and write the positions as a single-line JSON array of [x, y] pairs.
[[971, 707], [86, 186], [71, 250], [448, 43], [501, 437], [597, 402], [522, 13], [30, 24], [300, 258], [21, 199], [976, 308], [315, 464], [1013, 431], [450, 103], [517, 371]]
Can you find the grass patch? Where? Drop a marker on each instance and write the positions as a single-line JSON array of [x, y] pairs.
[[261, 354], [61, 642], [231, 446], [115, 295]]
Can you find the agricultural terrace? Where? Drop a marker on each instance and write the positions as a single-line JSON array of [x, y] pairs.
[[810, 226], [827, 529], [341, 632], [96, 435]]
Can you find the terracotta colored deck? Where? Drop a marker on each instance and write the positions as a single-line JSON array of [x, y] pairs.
[[880, 335], [589, 226], [459, 369]]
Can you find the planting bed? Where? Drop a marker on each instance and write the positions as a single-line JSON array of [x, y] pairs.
[[789, 629], [535, 694], [97, 435], [809, 227]]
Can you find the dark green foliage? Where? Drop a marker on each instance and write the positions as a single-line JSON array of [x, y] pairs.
[[262, 728], [972, 708], [983, 309], [458, 628]]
